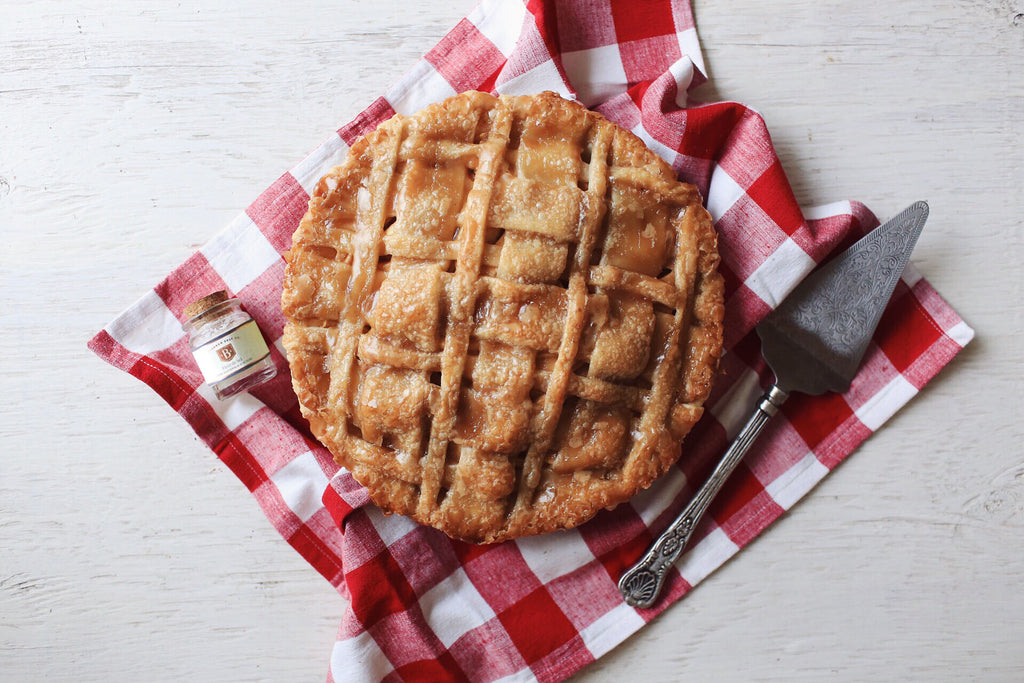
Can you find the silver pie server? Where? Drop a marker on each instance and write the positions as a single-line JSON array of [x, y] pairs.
[[813, 343]]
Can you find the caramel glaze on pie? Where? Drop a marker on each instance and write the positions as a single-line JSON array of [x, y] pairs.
[[504, 314]]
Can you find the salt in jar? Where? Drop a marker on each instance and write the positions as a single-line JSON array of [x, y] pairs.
[[227, 345]]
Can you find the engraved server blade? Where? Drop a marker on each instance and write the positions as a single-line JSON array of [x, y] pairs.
[[813, 342]]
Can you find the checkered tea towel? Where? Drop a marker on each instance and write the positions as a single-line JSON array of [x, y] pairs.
[[424, 607]]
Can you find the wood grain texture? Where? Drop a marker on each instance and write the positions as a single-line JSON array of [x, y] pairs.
[[132, 131]]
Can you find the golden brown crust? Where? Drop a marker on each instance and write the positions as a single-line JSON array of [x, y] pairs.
[[504, 314]]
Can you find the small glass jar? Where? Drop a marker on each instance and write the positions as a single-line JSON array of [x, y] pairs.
[[227, 345]]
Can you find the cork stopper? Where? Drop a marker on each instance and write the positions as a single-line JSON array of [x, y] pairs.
[[201, 306]]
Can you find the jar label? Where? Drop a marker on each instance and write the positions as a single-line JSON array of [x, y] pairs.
[[231, 353]]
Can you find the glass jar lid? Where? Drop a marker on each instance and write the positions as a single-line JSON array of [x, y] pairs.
[[200, 306]]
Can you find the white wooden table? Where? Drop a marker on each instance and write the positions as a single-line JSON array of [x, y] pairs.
[[130, 132]]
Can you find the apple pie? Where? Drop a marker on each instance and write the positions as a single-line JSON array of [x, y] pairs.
[[503, 314]]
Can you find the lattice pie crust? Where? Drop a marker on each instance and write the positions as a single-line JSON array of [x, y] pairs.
[[504, 314]]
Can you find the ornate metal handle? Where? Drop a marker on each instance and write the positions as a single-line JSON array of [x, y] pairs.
[[641, 584]]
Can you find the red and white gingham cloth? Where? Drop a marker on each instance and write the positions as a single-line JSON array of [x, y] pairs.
[[424, 607]]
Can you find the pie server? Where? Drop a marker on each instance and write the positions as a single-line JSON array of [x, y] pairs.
[[813, 343]]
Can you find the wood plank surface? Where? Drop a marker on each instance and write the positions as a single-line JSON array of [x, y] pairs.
[[131, 131]]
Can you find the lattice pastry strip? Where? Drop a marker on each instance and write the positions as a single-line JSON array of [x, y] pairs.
[[503, 314]]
